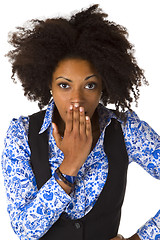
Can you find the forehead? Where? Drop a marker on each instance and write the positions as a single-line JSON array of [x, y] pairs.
[[74, 67]]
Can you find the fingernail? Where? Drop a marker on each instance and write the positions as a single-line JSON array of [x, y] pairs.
[[87, 118], [81, 109], [76, 105], [71, 107]]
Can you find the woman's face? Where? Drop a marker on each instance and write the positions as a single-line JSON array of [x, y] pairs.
[[76, 81]]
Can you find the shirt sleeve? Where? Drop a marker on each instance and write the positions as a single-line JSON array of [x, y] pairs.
[[32, 212], [143, 147]]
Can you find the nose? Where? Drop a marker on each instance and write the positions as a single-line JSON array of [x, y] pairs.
[[77, 97]]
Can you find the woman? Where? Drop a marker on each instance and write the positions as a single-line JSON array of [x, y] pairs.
[[65, 168]]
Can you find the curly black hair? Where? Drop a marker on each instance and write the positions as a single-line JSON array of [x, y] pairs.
[[86, 35]]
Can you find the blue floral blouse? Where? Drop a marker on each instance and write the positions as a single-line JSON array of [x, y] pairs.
[[33, 212]]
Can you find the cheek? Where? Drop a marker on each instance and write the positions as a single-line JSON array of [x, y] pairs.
[[62, 109], [58, 99], [94, 100]]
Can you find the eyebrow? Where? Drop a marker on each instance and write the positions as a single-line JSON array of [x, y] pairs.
[[69, 80]]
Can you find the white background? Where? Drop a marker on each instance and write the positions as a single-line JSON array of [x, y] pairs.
[[142, 19]]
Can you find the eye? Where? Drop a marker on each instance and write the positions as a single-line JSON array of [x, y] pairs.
[[63, 85], [91, 86]]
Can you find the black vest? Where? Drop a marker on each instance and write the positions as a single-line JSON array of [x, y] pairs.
[[102, 222]]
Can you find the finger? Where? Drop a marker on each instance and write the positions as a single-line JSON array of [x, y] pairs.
[[69, 120], [82, 121], [76, 118], [88, 126], [56, 134], [120, 236]]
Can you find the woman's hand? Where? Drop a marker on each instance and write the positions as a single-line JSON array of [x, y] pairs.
[[77, 141], [118, 237]]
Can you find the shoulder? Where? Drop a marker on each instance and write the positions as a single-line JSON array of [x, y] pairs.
[[132, 118], [136, 128], [17, 130], [18, 125], [133, 123], [16, 139]]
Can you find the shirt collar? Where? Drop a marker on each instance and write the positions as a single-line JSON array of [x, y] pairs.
[[104, 113], [48, 117], [105, 116]]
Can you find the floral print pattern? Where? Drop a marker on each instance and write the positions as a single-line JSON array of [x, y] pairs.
[[33, 212]]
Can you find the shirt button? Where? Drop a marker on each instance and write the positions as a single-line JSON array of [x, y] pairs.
[[77, 225], [70, 206]]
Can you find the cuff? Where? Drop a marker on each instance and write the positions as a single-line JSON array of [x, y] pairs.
[[149, 231], [53, 196]]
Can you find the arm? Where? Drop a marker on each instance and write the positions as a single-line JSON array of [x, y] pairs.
[[32, 212], [143, 146]]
